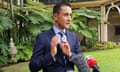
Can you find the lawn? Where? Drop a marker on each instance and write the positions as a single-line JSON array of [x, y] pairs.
[[109, 61]]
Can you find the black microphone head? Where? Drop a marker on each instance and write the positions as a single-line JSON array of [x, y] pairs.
[[95, 68]]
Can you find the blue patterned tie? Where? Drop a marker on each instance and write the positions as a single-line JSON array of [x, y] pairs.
[[62, 34]]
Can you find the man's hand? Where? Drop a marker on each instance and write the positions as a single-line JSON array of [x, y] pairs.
[[54, 43], [66, 48]]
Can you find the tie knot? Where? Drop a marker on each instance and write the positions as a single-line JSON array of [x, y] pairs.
[[62, 37], [61, 33]]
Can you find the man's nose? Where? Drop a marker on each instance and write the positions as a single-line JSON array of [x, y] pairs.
[[69, 18]]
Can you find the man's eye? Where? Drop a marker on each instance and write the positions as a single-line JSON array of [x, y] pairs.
[[66, 14]]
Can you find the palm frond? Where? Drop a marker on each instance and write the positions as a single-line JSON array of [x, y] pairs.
[[5, 23]]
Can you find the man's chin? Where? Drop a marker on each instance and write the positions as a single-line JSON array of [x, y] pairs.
[[67, 27]]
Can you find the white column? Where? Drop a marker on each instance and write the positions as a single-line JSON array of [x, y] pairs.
[[105, 32], [21, 3], [99, 33], [18, 2]]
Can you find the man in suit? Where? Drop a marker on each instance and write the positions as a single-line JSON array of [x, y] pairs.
[[56, 48]]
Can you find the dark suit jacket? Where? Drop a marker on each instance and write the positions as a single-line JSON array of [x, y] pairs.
[[42, 59]]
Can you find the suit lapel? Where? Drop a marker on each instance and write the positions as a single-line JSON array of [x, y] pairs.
[[68, 37], [51, 33]]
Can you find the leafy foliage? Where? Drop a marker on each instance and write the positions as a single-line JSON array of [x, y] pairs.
[[24, 52], [107, 45], [37, 19], [80, 24], [29, 21], [5, 24], [5, 20], [3, 54], [3, 60]]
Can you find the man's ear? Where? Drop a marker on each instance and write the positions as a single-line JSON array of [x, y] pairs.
[[55, 16]]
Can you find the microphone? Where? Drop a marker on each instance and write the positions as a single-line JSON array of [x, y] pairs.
[[80, 62], [92, 63]]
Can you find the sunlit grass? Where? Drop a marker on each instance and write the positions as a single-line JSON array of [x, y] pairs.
[[108, 60]]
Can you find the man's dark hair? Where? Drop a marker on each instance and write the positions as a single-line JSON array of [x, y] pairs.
[[57, 7]]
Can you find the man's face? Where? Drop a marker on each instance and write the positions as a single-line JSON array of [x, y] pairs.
[[63, 18]]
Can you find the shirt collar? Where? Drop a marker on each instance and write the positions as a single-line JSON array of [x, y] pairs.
[[56, 30]]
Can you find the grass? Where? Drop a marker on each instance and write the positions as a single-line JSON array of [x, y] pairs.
[[109, 61], [20, 67]]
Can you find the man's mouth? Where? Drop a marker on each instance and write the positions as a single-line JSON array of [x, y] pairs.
[[68, 23]]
